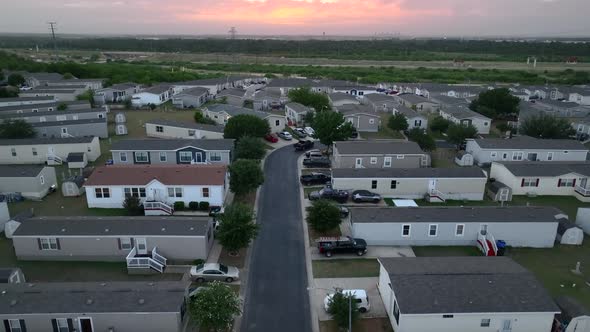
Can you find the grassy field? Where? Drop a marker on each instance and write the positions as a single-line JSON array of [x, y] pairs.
[[366, 324], [345, 268]]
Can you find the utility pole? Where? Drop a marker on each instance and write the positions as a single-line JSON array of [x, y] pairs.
[[232, 35], [52, 27]]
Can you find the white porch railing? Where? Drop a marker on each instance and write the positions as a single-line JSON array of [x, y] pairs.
[[157, 206], [582, 191], [434, 193], [54, 160], [154, 261]]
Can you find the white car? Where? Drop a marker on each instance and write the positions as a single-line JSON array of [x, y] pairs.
[[360, 297], [309, 131], [214, 271], [285, 135]]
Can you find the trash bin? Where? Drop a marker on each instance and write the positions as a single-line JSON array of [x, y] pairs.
[[501, 247]]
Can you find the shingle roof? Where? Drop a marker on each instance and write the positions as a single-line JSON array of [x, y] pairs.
[[25, 99], [68, 122], [189, 125], [547, 168], [465, 285], [232, 92], [43, 105], [446, 100], [298, 107], [123, 86], [339, 96], [54, 112], [379, 98], [47, 141], [377, 147], [235, 110], [350, 109], [113, 226], [48, 90], [527, 142], [199, 175], [20, 171], [461, 112], [171, 144], [75, 157], [92, 297], [415, 99], [479, 214], [407, 112], [290, 82], [198, 91], [157, 89], [386, 173]]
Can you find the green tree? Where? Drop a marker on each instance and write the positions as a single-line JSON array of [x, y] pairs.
[[1, 75], [458, 133], [128, 103], [304, 96], [94, 57], [237, 227], [246, 125], [397, 122], [215, 306], [87, 95], [62, 106], [246, 176], [68, 76], [323, 215], [8, 92], [546, 126], [496, 103], [343, 309], [15, 80], [439, 124], [133, 206], [200, 118], [420, 136], [16, 129], [331, 126], [250, 148]]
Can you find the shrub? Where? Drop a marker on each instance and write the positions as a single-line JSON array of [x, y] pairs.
[[179, 206], [133, 206], [194, 206], [204, 206]]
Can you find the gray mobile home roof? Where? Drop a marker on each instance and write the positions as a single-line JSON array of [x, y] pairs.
[[68, 122], [47, 141], [122, 86], [49, 90], [290, 82], [546, 168], [571, 308], [340, 96], [75, 157], [25, 99], [20, 171], [232, 92], [400, 173], [43, 105], [298, 107], [527, 142], [446, 100], [171, 144], [441, 285], [157, 89], [415, 99], [235, 110], [188, 125], [407, 112], [113, 226], [92, 297], [377, 147], [379, 98], [350, 109], [462, 112], [197, 91], [479, 214]]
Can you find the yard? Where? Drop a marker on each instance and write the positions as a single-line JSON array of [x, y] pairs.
[[345, 268], [366, 324], [384, 131]]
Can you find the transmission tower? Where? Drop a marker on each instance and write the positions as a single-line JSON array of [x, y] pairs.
[[52, 28], [232, 32]]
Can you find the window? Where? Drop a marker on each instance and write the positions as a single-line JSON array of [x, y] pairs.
[[529, 182], [42, 179], [566, 183], [13, 151], [205, 192], [125, 243], [50, 109], [185, 156], [141, 157], [35, 110], [16, 326], [505, 156], [417, 123], [374, 184], [62, 325], [400, 156], [215, 156], [448, 316], [373, 160], [48, 243], [387, 162], [371, 121], [406, 230], [34, 151], [565, 152], [493, 154], [191, 132], [123, 157], [102, 192], [549, 156], [277, 122], [174, 192], [61, 118], [135, 192], [396, 312], [459, 229], [64, 130], [393, 184], [163, 157], [432, 230], [159, 129], [485, 322], [517, 155]]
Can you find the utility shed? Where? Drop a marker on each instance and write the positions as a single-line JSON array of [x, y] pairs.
[[77, 160], [73, 186], [574, 315], [499, 192], [569, 233]]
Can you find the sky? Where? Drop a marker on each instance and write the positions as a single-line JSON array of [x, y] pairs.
[[300, 17]]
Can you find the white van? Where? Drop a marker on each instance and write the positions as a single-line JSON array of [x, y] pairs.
[[360, 296]]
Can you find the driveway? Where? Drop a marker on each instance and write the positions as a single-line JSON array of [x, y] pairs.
[[276, 297]]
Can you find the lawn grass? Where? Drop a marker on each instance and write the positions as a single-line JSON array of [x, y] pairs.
[[384, 131], [381, 324], [345, 268], [57, 205], [438, 251]]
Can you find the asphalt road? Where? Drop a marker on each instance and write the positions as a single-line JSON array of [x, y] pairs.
[[277, 298]]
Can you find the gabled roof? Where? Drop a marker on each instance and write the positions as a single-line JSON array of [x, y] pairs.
[[67, 122], [43, 105], [188, 125], [380, 98], [290, 82], [187, 175], [50, 113], [527, 142], [20, 171], [232, 92], [92, 297], [546, 168], [297, 107], [377, 147], [25, 99], [415, 99], [198, 91], [235, 110], [123, 86], [461, 112], [172, 144], [340, 96], [447, 285], [407, 112], [408, 173], [353, 109], [157, 89], [46, 141]]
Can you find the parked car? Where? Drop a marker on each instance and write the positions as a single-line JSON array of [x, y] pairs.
[[318, 162], [299, 132], [340, 196], [314, 153], [214, 271], [359, 295], [343, 211], [359, 196], [343, 244], [271, 138], [303, 145], [314, 178], [285, 135], [309, 131]]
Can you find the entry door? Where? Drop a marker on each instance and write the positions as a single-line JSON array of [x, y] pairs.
[[504, 194], [85, 324], [583, 182], [199, 157], [431, 185], [141, 245], [51, 151], [507, 326], [483, 229], [358, 163]]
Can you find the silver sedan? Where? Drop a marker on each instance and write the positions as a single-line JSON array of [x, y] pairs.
[[214, 271]]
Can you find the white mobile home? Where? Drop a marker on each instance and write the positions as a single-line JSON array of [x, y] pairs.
[[155, 95], [161, 128], [465, 116], [46, 150], [31, 181]]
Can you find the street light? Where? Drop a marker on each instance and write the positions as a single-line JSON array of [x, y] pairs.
[[338, 289]]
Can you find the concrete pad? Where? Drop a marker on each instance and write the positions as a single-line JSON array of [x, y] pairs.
[[372, 252], [323, 286]]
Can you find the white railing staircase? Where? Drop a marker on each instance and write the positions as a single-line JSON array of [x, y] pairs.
[[487, 244], [154, 260], [435, 196], [54, 160], [155, 208]]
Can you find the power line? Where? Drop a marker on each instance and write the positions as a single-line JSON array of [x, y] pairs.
[[52, 27]]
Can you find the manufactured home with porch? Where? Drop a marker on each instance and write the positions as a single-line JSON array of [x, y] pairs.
[[379, 154], [46, 150], [172, 151]]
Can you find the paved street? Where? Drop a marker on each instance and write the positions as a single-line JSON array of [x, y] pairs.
[[277, 298]]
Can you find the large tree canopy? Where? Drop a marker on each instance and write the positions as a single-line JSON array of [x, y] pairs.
[[16, 129], [237, 228], [331, 126], [397, 122], [250, 148], [304, 96], [245, 125], [496, 103], [420, 136], [323, 215], [246, 176], [546, 126], [215, 306], [458, 133]]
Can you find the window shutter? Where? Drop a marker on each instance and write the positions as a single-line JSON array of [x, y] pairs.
[[574, 184], [70, 325], [39, 243], [119, 243], [6, 325], [537, 183], [559, 183], [58, 244], [522, 183], [54, 324], [23, 326]]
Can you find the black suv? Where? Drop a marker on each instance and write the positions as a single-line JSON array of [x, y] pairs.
[[303, 145], [345, 244], [340, 196], [314, 178], [317, 162]]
